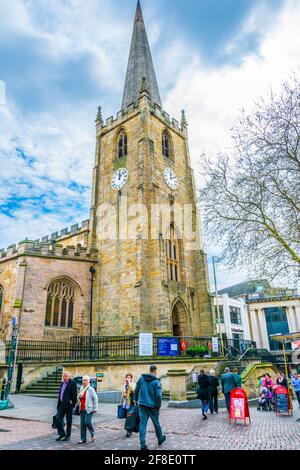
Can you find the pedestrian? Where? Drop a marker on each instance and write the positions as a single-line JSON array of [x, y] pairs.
[[214, 391], [296, 386], [228, 383], [238, 378], [88, 405], [268, 382], [281, 380], [148, 395], [128, 396], [204, 395], [67, 399]]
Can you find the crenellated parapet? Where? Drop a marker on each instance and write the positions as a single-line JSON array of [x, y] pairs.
[[36, 248], [111, 122]]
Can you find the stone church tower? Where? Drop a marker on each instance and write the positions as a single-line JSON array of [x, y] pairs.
[[149, 275]]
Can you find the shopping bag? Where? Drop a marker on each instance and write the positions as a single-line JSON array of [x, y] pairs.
[[132, 423], [121, 412], [54, 425]]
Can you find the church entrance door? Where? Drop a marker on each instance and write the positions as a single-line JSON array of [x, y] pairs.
[[180, 320]]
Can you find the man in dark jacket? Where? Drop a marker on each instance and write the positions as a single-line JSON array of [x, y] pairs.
[[67, 399], [148, 394], [214, 392], [228, 382]]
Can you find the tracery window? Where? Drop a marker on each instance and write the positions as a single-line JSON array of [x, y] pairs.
[[60, 304], [173, 256], [122, 145]]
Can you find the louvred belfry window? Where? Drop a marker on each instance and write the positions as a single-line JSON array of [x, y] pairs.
[[166, 145], [60, 304], [122, 145]]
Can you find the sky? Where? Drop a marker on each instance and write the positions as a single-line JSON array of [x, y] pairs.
[[60, 60]]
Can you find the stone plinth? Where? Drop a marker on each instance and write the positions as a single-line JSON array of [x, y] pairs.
[[177, 384]]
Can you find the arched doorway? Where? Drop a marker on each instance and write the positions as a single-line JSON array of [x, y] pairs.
[[180, 320]]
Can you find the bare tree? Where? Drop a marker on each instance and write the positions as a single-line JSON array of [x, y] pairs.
[[251, 198]]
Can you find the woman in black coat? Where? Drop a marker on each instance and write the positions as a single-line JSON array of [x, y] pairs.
[[203, 392]]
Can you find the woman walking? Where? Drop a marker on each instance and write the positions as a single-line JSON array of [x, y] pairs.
[[88, 405], [128, 396], [204, 395]]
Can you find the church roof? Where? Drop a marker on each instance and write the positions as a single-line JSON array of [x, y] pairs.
[[140, 65]]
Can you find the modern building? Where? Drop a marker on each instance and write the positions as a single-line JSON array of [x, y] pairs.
[[146, 279], [271, 310], [233, 320]]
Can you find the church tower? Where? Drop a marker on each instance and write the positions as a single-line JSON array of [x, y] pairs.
[[152, 273]]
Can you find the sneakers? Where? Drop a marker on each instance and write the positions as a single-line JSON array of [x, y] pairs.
[[129, 434], [144, 448], [93, 438], [59, 438], [162, 440], [204, 416], [65, 439], [81, 442]]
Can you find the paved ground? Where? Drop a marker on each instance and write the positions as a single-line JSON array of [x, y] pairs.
[[185, 430]]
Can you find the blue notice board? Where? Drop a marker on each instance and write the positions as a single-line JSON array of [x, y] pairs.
[[168, 347]]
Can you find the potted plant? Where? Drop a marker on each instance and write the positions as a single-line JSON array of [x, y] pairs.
[[197, 351]]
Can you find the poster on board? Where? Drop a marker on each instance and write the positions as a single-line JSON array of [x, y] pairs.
[[146, 344]]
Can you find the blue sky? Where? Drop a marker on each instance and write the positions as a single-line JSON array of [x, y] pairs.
[[61, 59]]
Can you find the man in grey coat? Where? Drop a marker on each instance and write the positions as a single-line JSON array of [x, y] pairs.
[[148, 394], [228, 383]]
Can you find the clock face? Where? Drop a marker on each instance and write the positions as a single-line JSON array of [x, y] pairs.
[[171, 179], [119, 179]]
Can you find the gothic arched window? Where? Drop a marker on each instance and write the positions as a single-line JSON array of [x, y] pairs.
[[60, 304], [122, 145], [173, 256], [166, 144], [1, 301]]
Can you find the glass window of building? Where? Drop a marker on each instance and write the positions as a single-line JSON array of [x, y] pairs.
[[235, 315]]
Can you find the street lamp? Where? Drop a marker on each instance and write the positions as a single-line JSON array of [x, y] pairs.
[[214, 259], [92, 273], [11, 360]]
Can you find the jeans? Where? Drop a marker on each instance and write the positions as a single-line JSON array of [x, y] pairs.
[[213, 403], [86, 423], [227, 399], [146, 413], [205, 406], [62, 411], [298, 396]]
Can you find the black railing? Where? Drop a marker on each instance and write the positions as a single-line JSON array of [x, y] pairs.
[[85, 348], [40, 351], [238, 347]]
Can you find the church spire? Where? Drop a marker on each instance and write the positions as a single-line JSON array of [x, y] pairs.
[[140, 65]]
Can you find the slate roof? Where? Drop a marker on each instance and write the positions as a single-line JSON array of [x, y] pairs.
[[140, 65]]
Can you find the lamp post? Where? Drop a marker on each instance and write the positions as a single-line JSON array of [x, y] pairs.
[[92, 273], [218, 307], [11, 359]]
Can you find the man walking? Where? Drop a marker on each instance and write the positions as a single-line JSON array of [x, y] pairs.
[[67, 399], [296, 386], [148, 394], [228, 383]]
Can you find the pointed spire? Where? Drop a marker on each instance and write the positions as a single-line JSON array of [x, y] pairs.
[[140, 65], [99, 118]]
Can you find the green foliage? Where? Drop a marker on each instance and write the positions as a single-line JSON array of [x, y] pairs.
[[197, 350]]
